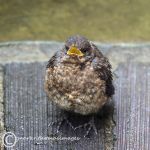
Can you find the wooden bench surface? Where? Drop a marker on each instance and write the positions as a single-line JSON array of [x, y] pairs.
[[124, 123]]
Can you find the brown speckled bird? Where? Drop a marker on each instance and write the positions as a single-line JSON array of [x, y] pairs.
[[78, 77]]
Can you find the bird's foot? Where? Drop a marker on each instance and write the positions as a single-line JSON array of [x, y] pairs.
[[89, 126], [59, 123]]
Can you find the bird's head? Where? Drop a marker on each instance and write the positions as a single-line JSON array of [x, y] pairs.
[[77, 48]]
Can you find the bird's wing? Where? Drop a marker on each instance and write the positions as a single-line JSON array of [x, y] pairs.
[[103, 68], [96, 51], [51, 63]]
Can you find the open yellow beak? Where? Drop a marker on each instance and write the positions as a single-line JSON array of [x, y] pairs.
[[74, 51]]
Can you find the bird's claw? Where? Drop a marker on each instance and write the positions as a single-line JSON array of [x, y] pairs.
[[91, 125], [60, 122]]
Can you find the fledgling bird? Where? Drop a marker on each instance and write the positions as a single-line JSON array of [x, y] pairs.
[[78, 77]]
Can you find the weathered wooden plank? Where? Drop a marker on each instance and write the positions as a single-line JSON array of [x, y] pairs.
[[23, 114], [132, 102], [25, 103], [28, 114]]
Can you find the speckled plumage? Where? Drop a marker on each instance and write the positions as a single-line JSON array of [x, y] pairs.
[[79, 84]]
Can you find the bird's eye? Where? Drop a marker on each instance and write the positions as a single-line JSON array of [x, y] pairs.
[[84, 50], [67, 47]]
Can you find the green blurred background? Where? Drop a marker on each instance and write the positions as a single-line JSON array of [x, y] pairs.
[[99, 20]]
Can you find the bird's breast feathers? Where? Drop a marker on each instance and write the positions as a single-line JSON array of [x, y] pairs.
[[71, 77], [74, 89]]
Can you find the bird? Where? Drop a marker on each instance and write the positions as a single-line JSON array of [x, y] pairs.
[[78, 78]]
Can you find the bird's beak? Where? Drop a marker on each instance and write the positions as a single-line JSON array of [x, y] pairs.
[[74, 51]]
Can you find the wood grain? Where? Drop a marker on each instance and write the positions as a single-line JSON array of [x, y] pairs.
[[132, 103], [28, 113]]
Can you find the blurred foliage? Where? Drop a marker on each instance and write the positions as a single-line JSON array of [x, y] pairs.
[[99, 20]]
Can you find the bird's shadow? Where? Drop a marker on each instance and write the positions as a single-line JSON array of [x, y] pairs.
[[69, 124]]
